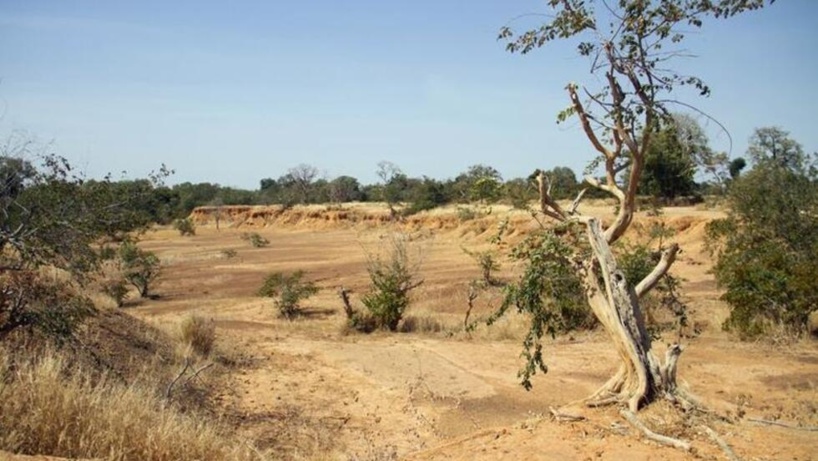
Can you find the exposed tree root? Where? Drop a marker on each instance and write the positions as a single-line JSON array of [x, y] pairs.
[[731, 455], [663, 439], [788, 426]]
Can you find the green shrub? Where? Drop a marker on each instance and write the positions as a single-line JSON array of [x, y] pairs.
[[255, 239], [767, 248], [30, 299], [393, 278], [287, 291], [140, 268], [199, 334], [487, 261], [185, 226]]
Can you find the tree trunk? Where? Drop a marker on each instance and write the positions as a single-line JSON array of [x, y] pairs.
[[640, 378]]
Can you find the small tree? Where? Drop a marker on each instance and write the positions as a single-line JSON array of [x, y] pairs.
[[287, 291], [139, 267], [487, 261], [393, 278]]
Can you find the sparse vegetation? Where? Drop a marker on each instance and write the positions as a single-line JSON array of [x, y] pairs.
[[393, 277], [487, 261], [229, 253], [255, 239], [288, 291], [140, 268], [199, 334], [185, 226]]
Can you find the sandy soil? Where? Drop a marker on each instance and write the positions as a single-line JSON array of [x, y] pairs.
[[310, 391]]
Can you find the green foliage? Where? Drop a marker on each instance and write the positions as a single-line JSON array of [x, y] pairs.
[[636, 262], [287, 291], [549, 292], [393, 278], [669, 167], [767, 247], [427, 195], [255, 239], [140, 268], [487, 261], [520, 193], [736, 165], [185, 226], [28, 298], [53, 218]]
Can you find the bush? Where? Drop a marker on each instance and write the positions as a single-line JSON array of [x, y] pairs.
[[487, 260], [185, 227], [116, 289], [392, 280], [29, 299], [767, 248], [767, 253], [255, 239], [199, 334], [140, 268], [287, 291]]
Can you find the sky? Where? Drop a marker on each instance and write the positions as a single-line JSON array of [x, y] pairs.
[[234, 92]]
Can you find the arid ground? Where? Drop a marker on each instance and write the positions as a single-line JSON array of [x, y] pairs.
[[308, 389]]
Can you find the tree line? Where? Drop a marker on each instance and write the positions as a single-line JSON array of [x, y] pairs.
[[679, 163]]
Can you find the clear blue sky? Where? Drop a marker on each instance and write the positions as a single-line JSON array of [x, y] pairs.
[[233, 92]]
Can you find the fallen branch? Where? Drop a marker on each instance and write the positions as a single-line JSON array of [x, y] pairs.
[[788, 426], [663, 439], [731, 455]]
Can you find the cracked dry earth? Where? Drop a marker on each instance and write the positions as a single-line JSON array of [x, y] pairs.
[[308, 390]]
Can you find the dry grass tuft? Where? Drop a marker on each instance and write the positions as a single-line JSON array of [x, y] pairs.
[[198, 334], [421, 324], [46, 411]]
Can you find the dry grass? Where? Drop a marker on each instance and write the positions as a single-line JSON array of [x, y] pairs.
[[45, 410], [199, 334]]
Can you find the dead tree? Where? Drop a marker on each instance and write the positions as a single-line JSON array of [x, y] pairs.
[[619, 117]]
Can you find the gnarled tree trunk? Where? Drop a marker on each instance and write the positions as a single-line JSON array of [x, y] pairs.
[[640, 378]]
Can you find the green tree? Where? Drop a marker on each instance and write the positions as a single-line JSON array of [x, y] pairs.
[[630, 45], [767, 248], [393, 277], [479, 183], [140, 268], [50, 217], [345, 189], [426, 195]]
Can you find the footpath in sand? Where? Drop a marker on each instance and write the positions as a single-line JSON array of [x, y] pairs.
[[310, 391]]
